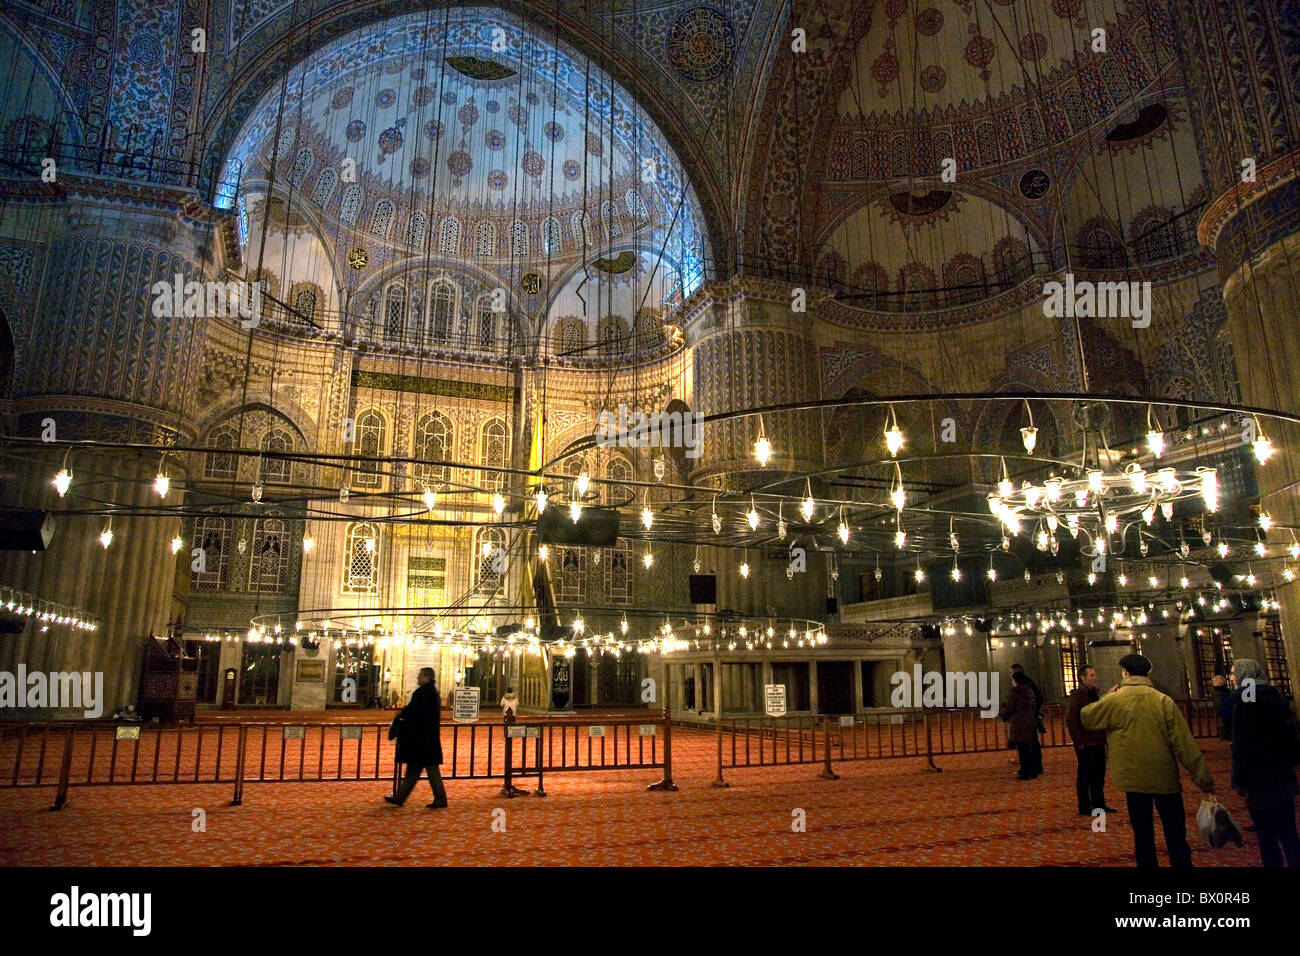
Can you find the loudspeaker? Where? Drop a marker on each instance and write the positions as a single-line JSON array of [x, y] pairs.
[[832, 605], [704, 589], [1221, 573], [595, 527], [25, 530]]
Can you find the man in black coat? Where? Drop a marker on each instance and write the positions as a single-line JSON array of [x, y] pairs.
[[1264, 749], [1089, 746], [419, 741]]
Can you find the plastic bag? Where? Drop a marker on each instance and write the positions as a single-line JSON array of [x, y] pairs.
[[1216, 823]]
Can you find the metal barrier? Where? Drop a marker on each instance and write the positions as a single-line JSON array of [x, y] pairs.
[[68, 755], [744, 742]]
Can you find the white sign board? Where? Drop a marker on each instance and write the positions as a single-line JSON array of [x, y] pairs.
[[596, 730], [128, 733], [464, 708], [295, 733], [774, 697], [647, 730], [350, 733], [846, 721], [533, 733], [515, 730]]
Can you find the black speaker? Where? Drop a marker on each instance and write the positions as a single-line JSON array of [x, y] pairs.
[[1221, 573], [22, 530], [595, 527], [931, 632], [704, 589], [832, 605]]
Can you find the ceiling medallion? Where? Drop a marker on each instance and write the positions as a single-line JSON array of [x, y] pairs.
[[532, 283], [358, 258]]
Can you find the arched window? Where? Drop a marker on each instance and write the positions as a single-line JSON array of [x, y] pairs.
[[382, 218], [494, 453], [350, 207], [277, 470], [618, 471], [570, 566], [285, 142], [609, 221], [269, 569], [487, 323], [212, 536], [417, 227], [551, 241], [449, 237], [361, 557], [304, 303], [395, 312], [618, 573], [485, 239], [221, 464], [370, 443], [649, 334], [636, 206], [433, 442], [442, 309], [611, 336], [324, 188], [570, 338], [519, 239], [581, 225], [489, 559], [302, 164]]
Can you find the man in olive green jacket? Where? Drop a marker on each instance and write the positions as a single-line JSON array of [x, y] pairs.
[[1148, 738]]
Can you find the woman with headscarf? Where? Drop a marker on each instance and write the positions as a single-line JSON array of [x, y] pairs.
[[1264, 746], [1021, 714]]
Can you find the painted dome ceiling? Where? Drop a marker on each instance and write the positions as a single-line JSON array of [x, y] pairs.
[[472, 115]]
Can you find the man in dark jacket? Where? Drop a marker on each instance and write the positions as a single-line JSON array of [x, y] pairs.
[[1022, 717], [1263, 751], [419, 741], [1089, 747], [1223, 706]]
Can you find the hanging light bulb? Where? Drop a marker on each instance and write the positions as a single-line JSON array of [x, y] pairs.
[[1167, 509], [575, 510], [370, 545], [648, 559], [956, 571], [1265, 522], [762, 447], [582, 483], [1209, 488], [1092, 578], [1294, 550], [647, 516], [1288, 573], [1259, 548], [498, 503], [177, 544], [1006, 543], [308, 544], [900, 536], [540, 497], [1149, 513], [1143, 547], [622, 625], [1112, 522], [918, 574], [780, 528], [1029, 435], [162, 484], [106, 536], [257, 491], [752, 515], [843, 530], [1223, 548], [343, 494], [543, 552], [660, 468], [992, 572], [62, 481], [1262, 447], [1183, 582], [898, 496], [744, 570], [808, 506], [893, 435]]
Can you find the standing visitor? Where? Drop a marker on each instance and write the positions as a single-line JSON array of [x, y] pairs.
[[1089, 747], [419, 741], [1264, 749], [1022, 718]]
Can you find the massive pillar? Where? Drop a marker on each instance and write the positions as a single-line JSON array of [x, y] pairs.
[[1239, 58], [751, 351], [96, 365]]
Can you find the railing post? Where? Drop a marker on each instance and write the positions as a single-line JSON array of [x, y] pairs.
[[720, 782], [667, 782], [507, 788], [65, 771], [929, 746], [541, 790], [827, 773], [238, 797]]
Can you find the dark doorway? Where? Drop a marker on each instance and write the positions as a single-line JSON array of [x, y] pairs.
[[581, 678], [835, 687]]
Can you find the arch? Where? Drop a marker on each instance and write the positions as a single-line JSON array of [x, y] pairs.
[[485, 322], [219, 464], [277, 470], [269, 570], [552, 241], [649, 331], [568, 336], [618, 470], [417, 229], [212, 537], [382, 218], [371, 432], [306, 300], [580, 223], [1100, 244], [361, 558], [324, 187], [444, 297], [350, 205], [609, 221], [612, 335], [636, 207], [485, 239], [434, 441], [488, 576], [302, 164], [519, 239], [395, 311], [494, 452], [449, 237]]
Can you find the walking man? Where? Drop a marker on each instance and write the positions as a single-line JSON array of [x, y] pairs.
[[419, 741], [1148, 738], [1264, 748], [1089, 747]]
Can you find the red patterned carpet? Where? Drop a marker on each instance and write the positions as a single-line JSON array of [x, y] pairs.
[[880, 812]]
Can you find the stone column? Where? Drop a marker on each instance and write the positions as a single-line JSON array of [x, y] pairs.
[[1238, 60]]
